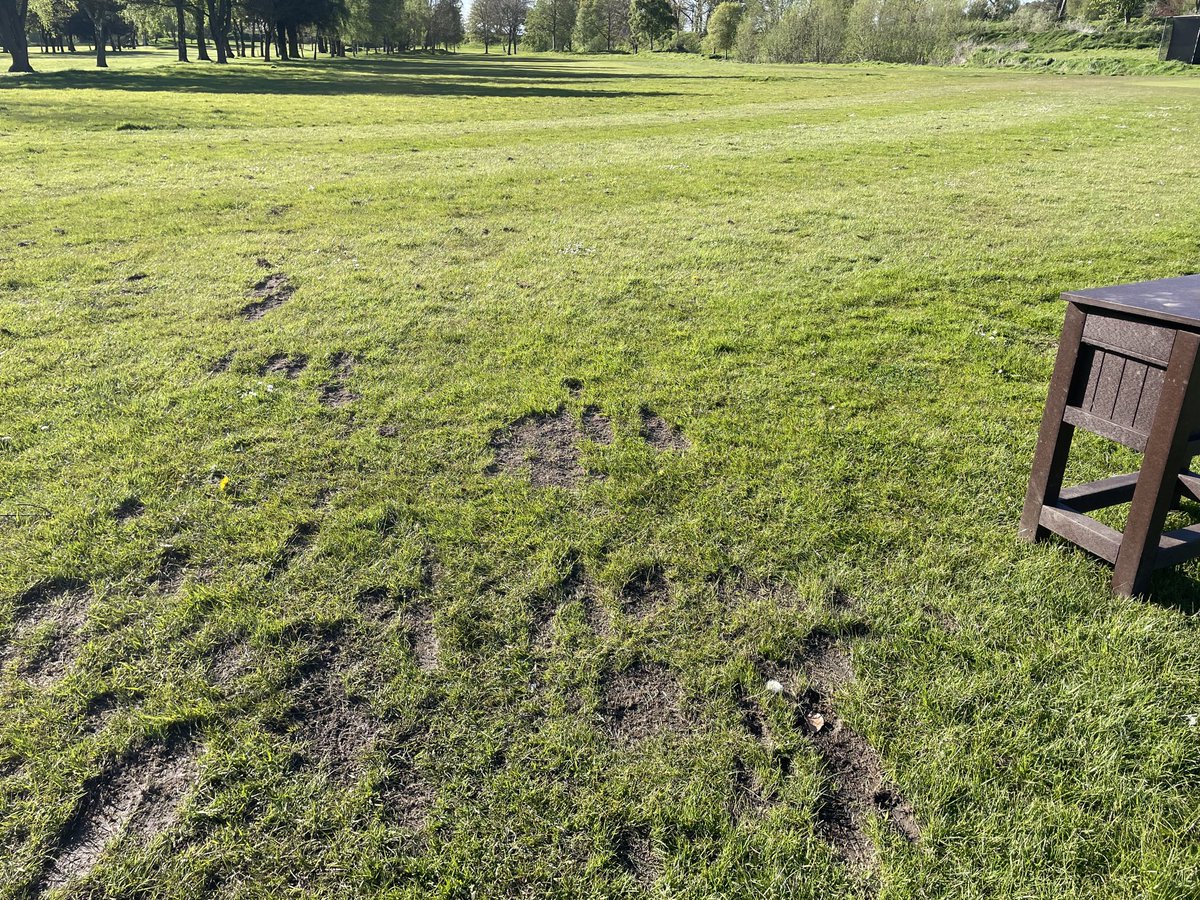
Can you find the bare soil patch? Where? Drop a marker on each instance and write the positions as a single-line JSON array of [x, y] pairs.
[[641, 702], [659, 434], [646, 591], [58, 609], [281, 363], [336, 729], [334, 393], [422, 636], [296, 544], [272, 291], [573, 385], [129, 508], [635, 854], [752, 718], [544, 445], [135, 800], [222, 363], [596, 426], [388, 431], [855, 784], [172, 570], [750, 797], [406, 795]]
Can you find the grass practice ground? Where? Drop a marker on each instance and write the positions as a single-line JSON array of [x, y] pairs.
[[414, 470]]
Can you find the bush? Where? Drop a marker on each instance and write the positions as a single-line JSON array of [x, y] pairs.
[[684, 42]]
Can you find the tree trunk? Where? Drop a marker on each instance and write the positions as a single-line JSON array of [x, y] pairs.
[[293, 37], [181, 29], [12, 33], [281, 49], [101, 57], [201, 46]]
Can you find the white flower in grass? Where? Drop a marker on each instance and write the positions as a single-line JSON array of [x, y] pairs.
[[774, 686]]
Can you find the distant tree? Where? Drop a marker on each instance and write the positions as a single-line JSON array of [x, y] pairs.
[[102, 14], [723, 26], [14, 15], [513, 14], [550, 24], [601, 24], [486, 22], [447, 24], [651, 19]]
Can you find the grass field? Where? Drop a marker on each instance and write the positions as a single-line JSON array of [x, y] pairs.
[[413, 470]]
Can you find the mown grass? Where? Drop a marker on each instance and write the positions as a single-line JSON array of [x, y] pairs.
[[840, 282]]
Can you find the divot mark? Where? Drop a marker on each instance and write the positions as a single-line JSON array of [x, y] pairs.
[[573, 385], [855, 783], [422, 637], [635, 854], [597, 427], [406, 795], [272, 291], [660, 435], [750, 797], [542, 445], [641, 702], [752, 718], [129, 508], [172, 570], [133, 802], [57, 610], [646, 591], [222, 363], [335, 728], [334, 393], [296, 544], [291, 366]]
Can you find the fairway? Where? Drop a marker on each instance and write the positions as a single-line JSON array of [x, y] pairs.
[[414, 471]]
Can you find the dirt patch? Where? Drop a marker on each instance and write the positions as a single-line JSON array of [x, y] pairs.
[[422, 636], [573, 385], [134, 801], [172, 571], [751, 798], [229, 662], [334, 393], [272, 291], [388, 431], [575, 586], [100, 710], [129, 508], [406, 795], [263, 263], [941, 618], [660, 435], [55, 610], [641, 702], [296, 544], [544, 445], [752, 718], [597, 427], [646, 590], [291, 366], [844, 604], [335, 728], [635, 854], [855, 786], [596, 616], [826, 664], [222, 363]]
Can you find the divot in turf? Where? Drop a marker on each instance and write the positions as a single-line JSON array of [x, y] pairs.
[[659, 434], [271, 292], [640, 703], [135, 801], [56, 612]]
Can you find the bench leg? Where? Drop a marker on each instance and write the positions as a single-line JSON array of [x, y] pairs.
[[1166, 456], [1054, 437]]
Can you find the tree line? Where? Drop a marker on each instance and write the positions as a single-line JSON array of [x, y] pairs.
[[916, 31], [220, 30]]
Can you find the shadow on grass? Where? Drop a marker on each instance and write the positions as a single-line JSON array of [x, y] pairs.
[[471, 76], [1173, 589]]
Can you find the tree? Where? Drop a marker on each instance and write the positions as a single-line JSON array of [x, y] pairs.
[[513, 14], [486, 22], [102, 14], [601, 24], [650, 19], [447, 28], [13, 17], [723, 26], [550, 24]]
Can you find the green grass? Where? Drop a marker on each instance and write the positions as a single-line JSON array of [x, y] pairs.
[[840, 282]]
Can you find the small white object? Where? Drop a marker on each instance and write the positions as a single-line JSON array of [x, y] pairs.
[[1193, 719], [774, 686]]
